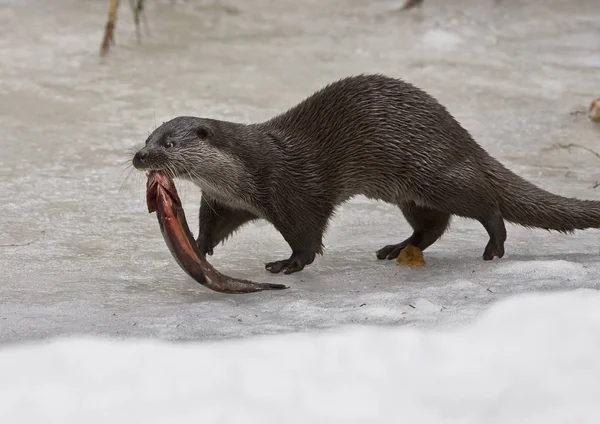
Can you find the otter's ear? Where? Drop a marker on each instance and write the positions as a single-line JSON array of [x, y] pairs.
[[202, 133]]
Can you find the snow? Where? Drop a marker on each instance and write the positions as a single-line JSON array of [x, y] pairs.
[[529, 359]]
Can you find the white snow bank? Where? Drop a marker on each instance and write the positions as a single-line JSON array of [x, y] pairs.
[[531, 359]]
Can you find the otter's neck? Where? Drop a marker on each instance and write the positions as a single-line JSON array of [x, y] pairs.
[[246, 171]]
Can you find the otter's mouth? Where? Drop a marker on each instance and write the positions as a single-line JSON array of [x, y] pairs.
[[158, 182], [149, 161]]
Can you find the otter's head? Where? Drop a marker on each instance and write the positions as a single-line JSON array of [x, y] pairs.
[[188, 147]]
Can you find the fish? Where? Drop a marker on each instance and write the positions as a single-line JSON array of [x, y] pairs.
[[162, 198]]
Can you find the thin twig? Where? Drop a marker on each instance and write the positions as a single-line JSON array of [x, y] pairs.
[[411, 3], [137, 8], [146, 24], [579, 146], [109, 31], [23, 244]]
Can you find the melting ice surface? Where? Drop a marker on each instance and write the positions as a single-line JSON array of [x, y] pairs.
[[519, 75]]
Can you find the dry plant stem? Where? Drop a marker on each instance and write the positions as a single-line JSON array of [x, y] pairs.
[[579, 146], [412, 3], [409, 4], [137, 7], [18, 245], [23, 244], [109, 31]]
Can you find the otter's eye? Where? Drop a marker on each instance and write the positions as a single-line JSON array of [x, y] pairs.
[[201, 132], [168, 144]]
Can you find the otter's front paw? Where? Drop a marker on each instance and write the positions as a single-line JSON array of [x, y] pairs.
[[205, 244], [295, 263]]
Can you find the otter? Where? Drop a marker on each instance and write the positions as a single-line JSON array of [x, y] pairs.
[[370, 135]]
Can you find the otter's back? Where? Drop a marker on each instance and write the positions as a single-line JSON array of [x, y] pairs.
[[360, 131]]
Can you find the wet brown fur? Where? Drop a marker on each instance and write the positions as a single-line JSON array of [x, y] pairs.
[[366, 135]]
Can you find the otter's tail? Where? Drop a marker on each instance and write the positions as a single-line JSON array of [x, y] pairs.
[[523, 203]]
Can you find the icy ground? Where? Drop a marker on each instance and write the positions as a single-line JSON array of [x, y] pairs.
[[531, 360], [517, 75]]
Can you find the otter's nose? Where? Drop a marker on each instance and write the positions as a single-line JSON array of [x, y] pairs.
[[139, 159]]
